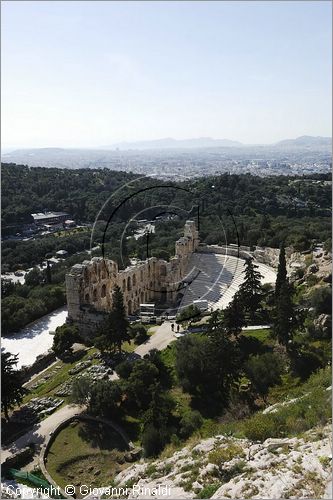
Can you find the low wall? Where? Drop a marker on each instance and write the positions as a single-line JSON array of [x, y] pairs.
[[233, 251], [42, 362], [46, 446], [18, 459], [264, 255]]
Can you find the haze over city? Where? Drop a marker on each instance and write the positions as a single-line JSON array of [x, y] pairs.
[[92, 74]]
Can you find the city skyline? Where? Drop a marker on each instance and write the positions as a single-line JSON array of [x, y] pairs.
[[81, 74]]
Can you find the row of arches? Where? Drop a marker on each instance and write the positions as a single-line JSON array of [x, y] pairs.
[[133, 303]]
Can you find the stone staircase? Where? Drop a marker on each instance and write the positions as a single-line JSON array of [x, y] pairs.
[[216, 278]]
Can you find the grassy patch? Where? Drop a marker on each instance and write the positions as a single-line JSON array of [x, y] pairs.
[[86, 453], [209, 490], [262, 334], [312, 409], [49, 387]]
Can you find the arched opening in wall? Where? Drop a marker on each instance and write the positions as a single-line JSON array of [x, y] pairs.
[[179, 297], [163, 295], [163, 270], [103, 291], [141, 275], [129, 286], [95, 295], [86, 298], [151, 291], [134, 280], [124, 285], [86, 276], [129, 307]]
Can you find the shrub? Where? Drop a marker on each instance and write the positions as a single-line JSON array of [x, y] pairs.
[[260, 427], [152, 441], [264, 371], [124, 369], [321, 300], [225, 454], [209, 490], [189, 423]]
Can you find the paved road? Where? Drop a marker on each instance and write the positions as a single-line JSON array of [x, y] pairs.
[[159, 340], [41, 430]]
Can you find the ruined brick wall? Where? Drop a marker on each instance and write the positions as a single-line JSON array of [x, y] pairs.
[[90, 285]]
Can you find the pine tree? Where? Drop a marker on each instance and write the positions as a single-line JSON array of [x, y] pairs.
[[250, 291], [12, 390], [233, 316], [281, 278], [223, 361]]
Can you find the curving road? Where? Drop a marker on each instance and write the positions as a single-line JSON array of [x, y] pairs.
[[37, 435]]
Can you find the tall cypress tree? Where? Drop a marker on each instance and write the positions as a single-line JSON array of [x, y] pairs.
[[233, 316], [281, 278], [284, 317], [118, 322], [250, 291], [114, 330]]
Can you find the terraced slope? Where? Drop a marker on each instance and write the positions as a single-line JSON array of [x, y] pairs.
[[216, 278]]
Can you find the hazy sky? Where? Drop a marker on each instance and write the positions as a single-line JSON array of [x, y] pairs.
[[94, 73]]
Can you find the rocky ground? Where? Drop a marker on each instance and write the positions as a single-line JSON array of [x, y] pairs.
[[225, 467]]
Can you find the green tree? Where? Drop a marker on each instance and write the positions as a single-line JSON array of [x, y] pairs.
[[264, 371], [190, 422], [81, 390], [190, 312], [12, 390], [63, 340], [105, 398], [284, 315], [164, 372], [321, 300], [114, 329], [281, 277], [250, 291], [233, 316], [34, 277], [157, 422], [139, 385]]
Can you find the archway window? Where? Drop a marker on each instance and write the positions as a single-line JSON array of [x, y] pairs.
[[124, 285], [86, 298], [129, 286], [134, 280], [103, 291], [95, 295], [129, 307]]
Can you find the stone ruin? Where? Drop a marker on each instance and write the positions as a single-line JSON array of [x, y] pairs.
[[90, 285]]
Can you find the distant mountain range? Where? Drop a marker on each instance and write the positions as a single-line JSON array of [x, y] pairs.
[[305, 142], [170, 143]]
